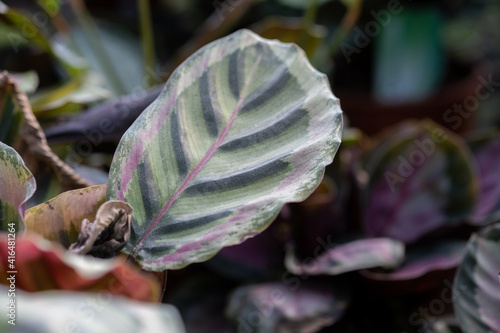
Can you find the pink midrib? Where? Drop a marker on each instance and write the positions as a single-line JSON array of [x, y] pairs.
[[201, 164]]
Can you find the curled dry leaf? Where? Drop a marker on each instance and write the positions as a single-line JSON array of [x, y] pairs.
[[60, 218], [108, 234]]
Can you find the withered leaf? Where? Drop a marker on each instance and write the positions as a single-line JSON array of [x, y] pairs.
[[108, 234]]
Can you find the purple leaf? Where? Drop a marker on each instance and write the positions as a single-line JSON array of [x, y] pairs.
[[487, 155], [272, 307], [352, 256], [421, 180], [419, 261]]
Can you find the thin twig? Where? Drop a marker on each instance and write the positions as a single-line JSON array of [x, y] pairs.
[[147, 36], [91, 33], [33, 136], [348, 22]]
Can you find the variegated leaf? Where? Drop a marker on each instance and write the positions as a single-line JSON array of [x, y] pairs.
[[477, 287], [352, 256], [242, 127], [17, 185], [486, 150]]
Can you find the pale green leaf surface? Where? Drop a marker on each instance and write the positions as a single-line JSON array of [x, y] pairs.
[[242, 127]]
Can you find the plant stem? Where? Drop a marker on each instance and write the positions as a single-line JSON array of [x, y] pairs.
[[146, 26], [307, 22], [346, 25], [91, 33]]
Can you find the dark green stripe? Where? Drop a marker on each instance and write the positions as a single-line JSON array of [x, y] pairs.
[[234, 74], [158, 250], [274, 84], [2, 219], [207, 108], [149, 190], [175, 134], [241, 179], [266, 132], [164, 159], [180, 226]]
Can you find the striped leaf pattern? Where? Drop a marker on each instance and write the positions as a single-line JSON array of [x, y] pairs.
[[242, 127], [17, 185], [477, 287]]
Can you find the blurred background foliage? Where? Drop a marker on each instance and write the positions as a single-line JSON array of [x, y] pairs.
[[90, 67]]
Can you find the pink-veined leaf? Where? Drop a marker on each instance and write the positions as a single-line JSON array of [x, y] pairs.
[[348, 257]]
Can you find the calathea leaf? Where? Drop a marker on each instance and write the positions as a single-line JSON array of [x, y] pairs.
[[425, 267], [17, 185], [486, 151], [304, 306], [242, 127], [352, 256], [421, 179], [476, 287], [108, 234]]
